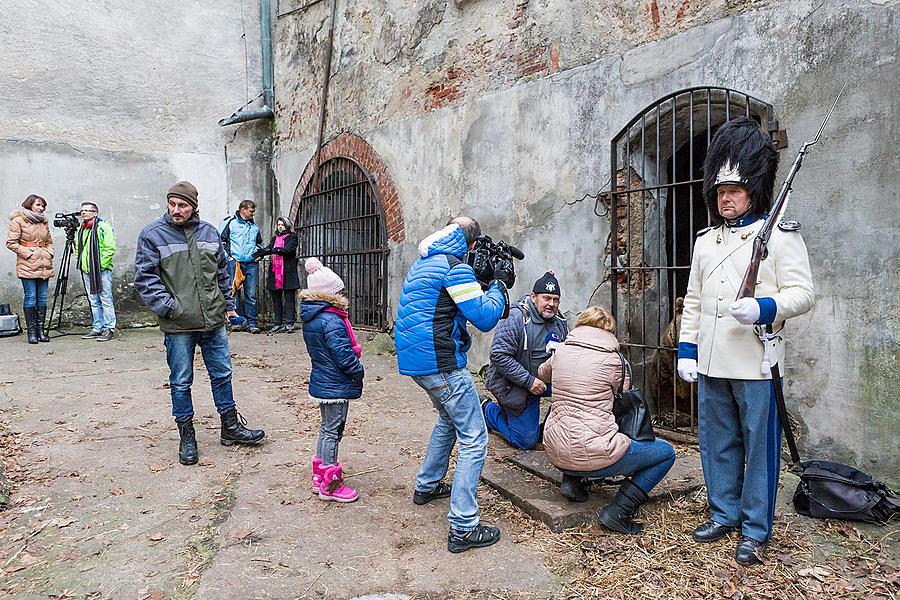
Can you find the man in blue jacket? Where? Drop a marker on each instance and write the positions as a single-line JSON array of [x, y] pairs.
[[440, 296], [242, 239]]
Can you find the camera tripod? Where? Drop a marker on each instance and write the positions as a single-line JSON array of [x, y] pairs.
[[62, 284]]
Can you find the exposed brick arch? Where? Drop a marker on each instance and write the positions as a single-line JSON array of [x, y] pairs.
[[352, 146]]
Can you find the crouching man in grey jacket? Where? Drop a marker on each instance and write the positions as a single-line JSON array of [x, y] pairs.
[[522, 342], [181, 274]]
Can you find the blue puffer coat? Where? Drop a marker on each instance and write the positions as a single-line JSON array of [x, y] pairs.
[[241, 238], [440, 295], [336, 371]]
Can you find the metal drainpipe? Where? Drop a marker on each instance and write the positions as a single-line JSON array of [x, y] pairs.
[[265, 38], [325, 86]]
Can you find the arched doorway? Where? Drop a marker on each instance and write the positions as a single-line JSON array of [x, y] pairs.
[[656, 164], [343, 224]]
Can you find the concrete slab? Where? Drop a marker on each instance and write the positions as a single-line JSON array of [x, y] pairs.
[[530, 482]]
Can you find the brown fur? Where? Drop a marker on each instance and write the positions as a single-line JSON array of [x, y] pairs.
[[661, 388], [336, 300]]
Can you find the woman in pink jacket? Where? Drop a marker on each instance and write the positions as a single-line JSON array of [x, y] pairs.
[[581, 436]]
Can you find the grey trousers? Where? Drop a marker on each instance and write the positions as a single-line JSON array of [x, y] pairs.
[[334, 418]]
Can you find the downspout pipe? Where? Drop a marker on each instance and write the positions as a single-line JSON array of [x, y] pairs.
[[267, 110]]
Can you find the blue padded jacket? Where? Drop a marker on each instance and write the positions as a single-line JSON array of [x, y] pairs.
[[336, 371], [440, 295]]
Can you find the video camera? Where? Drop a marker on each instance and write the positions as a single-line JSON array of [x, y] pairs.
[[487, 254], [66, 220]]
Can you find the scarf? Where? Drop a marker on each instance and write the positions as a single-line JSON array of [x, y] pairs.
[[344, 315], [94, 257], [33, 217], [278, 260]]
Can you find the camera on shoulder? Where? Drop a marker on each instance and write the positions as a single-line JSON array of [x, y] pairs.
[[493, 260]]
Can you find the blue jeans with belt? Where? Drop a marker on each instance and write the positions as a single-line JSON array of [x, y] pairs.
[[460, 419], [180, 348], [646, 462]]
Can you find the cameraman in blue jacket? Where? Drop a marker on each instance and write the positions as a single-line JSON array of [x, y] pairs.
[[440, 296]]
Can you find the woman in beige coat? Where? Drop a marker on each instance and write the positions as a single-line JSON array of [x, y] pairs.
[[581, 436], [29, 237]]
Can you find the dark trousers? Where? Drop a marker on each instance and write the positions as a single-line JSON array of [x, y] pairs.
[[285, 304]]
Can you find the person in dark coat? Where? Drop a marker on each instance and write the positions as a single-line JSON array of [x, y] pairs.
[[282, 280], [337, 373]]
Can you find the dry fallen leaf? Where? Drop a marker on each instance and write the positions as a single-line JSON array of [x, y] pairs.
[[819, 573], [117, 491], [156, 537], [156, 468], [244, 532]]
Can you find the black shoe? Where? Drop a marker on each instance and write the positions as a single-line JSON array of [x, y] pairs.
[[480, 537], [106, 335], [91, 335], [31, 325], [618, 514], [39, 323], [441, 490], [187, 449], [484, 402], [276, 329], [235, 432], [289, 328], [749, 552], [573, 488], [254, 329], [710, 531]]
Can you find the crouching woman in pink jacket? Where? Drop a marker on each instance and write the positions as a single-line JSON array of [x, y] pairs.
[[581, 436]]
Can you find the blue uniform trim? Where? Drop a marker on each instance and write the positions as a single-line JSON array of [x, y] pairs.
[[745, 220], [773, 458], [767, 310], [687, 350]]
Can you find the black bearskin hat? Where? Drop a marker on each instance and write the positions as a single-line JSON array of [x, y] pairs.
[[740, 153]]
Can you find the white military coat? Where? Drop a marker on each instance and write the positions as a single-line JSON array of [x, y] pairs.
[[726, 348]]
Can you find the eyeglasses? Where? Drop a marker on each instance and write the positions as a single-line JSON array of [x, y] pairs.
[[88, 210]]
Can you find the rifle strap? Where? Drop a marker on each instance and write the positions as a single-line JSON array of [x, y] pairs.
[[778, 387]]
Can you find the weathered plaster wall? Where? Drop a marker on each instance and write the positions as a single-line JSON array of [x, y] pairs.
[[518, 146], [114, 103]]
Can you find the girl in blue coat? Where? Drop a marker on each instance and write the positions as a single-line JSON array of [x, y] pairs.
[[336, 376]]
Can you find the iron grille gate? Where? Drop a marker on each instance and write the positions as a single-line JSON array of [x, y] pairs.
[[657, 170], [343, 225]]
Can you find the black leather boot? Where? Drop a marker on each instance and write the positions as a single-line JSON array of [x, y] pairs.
[[39, 323], [618, 514], [31, 324], [573, 488], [235, 432], [187, 449]]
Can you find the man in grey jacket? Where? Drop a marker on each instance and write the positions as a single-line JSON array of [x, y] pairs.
[[522, 342], [181, 274]]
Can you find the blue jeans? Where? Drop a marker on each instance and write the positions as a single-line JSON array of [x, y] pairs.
[[103, 312], [35, 292], [331, 431], [246, 297], [180, 349], [740, 450], [520, 431], [646, 462], [460, 419]]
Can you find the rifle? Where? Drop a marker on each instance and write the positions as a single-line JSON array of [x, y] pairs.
[[761, 243]]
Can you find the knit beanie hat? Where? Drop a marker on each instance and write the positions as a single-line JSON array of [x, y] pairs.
[[184, 190], [322, 279], [548, 284]]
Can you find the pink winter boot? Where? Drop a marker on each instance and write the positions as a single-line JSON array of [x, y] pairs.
[[316, 479], [332, 487]]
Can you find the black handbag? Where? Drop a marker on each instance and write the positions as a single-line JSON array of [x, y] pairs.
[[830, 490], [630, 410]]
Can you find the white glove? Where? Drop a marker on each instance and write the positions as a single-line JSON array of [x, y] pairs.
[[745, 311], [687, 369]]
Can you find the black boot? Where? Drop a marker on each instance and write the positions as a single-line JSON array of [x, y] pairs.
[[234, 432], [187, 449], [39, 323], [573, 488], [618, 514], [31, 324]]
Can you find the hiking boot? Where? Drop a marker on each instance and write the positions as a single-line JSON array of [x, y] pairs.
[[749, 552], [332, 488], [91, 335], [31, 324], [234, 430], [40, 315], [573, 488], [106, 335], [441, 490], [710, 531], [480, 537], [187, 448], [618, 514]]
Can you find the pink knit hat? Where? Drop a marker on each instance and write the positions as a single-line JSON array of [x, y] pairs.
[[322, 279]]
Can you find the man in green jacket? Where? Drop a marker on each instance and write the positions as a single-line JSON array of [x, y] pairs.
[[96, 249]]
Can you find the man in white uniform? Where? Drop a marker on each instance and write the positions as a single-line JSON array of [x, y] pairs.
[[720, 345]]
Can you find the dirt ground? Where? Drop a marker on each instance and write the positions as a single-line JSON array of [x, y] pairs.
[[102, 509]]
